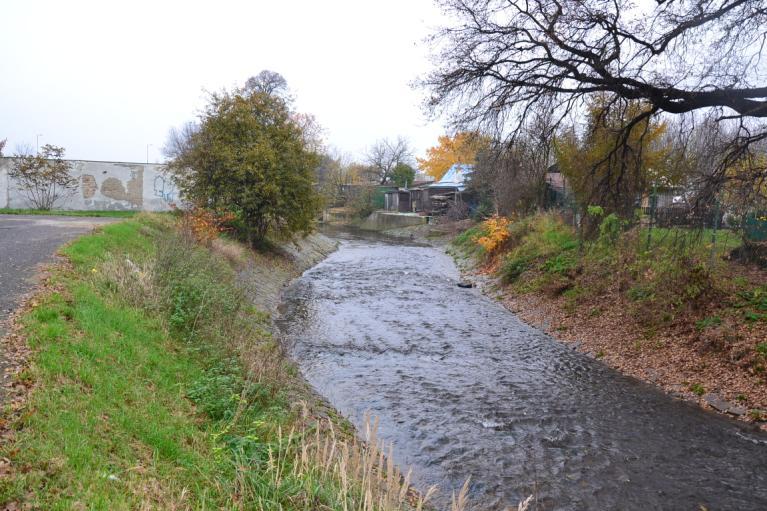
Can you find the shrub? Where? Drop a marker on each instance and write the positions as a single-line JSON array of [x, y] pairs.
[[497, 232], [466, 240], [640, 292], [610, 229], [708, 322], [697, 389], [205, 225], [562, 263], [513, 267], [45, 178]]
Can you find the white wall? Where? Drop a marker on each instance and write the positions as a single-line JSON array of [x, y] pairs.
[[103, 186], [3, 186]]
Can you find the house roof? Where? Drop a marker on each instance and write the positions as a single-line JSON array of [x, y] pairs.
[[455, 177]]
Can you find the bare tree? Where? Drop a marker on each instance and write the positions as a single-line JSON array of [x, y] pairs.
[[268, 82], [179, 140], [385, 155], [503, 58], [44, 178]]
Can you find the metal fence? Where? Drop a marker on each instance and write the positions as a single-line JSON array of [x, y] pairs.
[[704, 231]]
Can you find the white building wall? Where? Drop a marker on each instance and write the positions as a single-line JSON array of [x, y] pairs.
[[103, 186], [3, 186]]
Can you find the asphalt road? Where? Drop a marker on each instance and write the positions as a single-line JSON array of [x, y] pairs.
[[28, 241]]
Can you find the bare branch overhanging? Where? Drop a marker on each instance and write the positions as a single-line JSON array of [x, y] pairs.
[[502, 59]]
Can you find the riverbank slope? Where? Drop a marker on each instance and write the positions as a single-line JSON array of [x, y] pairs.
[[694, 325], [146, 378]]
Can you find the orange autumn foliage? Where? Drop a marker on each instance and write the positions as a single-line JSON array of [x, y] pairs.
[[497, 229], [461, 148], [205, 225]]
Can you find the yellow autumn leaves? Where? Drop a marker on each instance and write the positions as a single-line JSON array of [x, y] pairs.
[[497, 232], [460, 148]]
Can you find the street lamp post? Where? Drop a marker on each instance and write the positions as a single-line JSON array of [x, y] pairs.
[[147, 152], [37, 143]]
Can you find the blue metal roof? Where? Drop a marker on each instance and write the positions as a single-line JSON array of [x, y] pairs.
[[455, 177]]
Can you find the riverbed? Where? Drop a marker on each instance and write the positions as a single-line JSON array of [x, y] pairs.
[[465, 389]]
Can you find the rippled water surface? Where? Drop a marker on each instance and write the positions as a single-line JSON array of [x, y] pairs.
[[464, 388]]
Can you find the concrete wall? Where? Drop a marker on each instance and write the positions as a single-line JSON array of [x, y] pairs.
[[384, 220], [103, 185]]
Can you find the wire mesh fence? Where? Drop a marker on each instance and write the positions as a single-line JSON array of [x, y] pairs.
[[707, 232]]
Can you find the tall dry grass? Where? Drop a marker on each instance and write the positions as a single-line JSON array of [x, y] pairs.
[[360, 472]]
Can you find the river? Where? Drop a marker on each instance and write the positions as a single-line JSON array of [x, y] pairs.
[[464, 388]]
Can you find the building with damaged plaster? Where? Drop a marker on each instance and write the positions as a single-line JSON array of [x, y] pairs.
[[103, 185]]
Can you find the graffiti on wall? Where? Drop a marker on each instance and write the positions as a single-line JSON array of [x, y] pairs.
[[165, 188]]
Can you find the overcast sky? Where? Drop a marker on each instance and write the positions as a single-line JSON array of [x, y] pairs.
[[104, 78]]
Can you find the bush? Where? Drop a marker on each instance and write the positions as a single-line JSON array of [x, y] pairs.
[[363, 202], [562, 263], [640, 293], [708, 322], [496, 231], [199, 294], [250, 155], [513, 267], [466, 241]]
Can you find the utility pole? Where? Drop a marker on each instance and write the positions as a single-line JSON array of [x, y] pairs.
[[147, 152], [37, 143]]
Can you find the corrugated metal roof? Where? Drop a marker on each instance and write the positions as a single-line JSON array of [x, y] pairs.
[[455, 177]]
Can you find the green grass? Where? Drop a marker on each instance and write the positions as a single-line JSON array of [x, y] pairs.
[[708, 322], [540, 243], [157, 386], [110, 426], [61, 212], [697, 389], [682, 270], [466, 241], [722, 239]]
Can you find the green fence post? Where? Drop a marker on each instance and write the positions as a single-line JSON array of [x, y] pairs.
[[653, 203], [713, 234]]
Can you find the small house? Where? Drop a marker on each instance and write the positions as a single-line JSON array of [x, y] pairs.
[[436, 198], [398, 200]]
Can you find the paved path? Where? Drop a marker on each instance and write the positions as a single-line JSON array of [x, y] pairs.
[[27, 241]]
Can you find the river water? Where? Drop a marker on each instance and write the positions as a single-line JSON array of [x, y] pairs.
[[464, 388]]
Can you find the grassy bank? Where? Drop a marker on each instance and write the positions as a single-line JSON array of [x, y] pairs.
[[155, 384], [662, 304], [60, 212]]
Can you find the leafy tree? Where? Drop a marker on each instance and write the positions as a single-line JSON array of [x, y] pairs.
[[43, 178], [403, 174], [460, 148], [602, 176], [248, 155], [2, 145]]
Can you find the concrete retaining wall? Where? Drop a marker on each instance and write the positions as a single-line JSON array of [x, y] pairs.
[[383, 220], [103, 185]]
